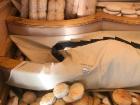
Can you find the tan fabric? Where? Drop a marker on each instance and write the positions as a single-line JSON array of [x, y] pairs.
[[34, 51], [104, 64]]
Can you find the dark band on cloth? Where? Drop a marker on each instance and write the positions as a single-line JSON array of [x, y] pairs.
[[62, 45]]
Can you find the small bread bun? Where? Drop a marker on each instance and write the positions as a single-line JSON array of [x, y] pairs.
[[68, 99], [48, 99], [60, 102], [29, 97], [83, 101], [110, 12], [131, 16], [96, 100], [76, 91], [128, 11], [122, 97], [61, 90], [113, 8]]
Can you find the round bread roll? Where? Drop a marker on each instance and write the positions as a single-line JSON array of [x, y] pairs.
[[76, 91], [61, 90], [48, 99], [83, 101], [60, 102], [110, 12], [113, 8], [122, 97], [29, 97], [96, 100], [68, 99], [128, 11]]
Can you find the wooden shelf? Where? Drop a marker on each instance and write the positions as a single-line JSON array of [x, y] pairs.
[[100, 21]]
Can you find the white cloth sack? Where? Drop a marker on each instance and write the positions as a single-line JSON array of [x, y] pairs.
[[104, 64]]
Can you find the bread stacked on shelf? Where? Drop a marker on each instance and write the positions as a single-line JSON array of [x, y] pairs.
[[74, 94], [132, 11], [54, 9]]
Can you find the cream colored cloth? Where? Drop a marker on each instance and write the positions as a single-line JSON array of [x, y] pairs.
[[103, 64]]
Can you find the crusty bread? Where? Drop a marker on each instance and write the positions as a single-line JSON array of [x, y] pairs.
[[122, 97], [33, 9], [42, 9], [59, 102], [128, 11], [113, 8], [96, 100], [68, 99], [29, 97], [110, 12], [83, 101], [48, 99], [76, 91], [61, 90]]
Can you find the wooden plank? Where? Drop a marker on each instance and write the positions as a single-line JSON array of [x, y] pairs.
[[6, 9], [4, 39]]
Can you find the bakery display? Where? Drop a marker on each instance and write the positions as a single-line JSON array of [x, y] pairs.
[[55, 9], [88, 97]]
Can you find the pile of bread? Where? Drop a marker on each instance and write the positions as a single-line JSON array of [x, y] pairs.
[[75, 94], [54, 9], [117, 10]]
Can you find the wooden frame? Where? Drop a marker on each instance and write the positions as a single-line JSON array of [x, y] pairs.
[[100, 21]]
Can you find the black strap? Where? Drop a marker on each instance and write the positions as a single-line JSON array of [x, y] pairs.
[[62, 45]]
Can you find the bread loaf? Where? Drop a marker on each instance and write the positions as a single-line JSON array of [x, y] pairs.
[[42, 9], [51, 10], [33, 9], [86, 7], [59, 8]]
